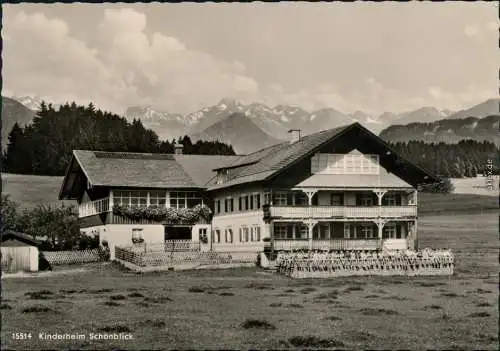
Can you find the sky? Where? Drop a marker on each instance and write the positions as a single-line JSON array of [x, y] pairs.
[[373, 57]]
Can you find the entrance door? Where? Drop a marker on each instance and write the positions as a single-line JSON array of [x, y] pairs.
[[178, 232]]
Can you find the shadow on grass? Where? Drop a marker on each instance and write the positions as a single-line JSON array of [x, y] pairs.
[[333, 318], [100, 291], [484, 304], [226, 294], [155, 323], [307, 290], [5, 306], [332, 295], [135, 294], [158, 299], [258, 286], [294, 305], [353, 288], [40, 295], [117, 297], [38, 309], [111, 303], [479, 315], [276, 304], [372, 296], [450, 294], [433, 307], [257, 324], [429, 284], [483, 291], [314, 342], [117, 328], [378, 312]]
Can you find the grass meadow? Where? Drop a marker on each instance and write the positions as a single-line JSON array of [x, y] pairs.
[[249, 308]]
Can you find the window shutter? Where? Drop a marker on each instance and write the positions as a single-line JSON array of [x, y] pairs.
[[289, 199], [358, 200], [258, 200], [241, 235], [240, 207]]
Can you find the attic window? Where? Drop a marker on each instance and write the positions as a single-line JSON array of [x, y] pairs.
[[221, 176]]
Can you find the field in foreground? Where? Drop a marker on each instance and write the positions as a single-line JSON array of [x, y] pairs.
[[250, 308]]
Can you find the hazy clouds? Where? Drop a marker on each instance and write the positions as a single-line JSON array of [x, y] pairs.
[[178, 57]]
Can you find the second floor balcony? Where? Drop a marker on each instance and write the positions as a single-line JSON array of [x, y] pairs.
[[354, 212]]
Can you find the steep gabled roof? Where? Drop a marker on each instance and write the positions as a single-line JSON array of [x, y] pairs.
[[141, 170], [262, 164], [269, 162], [10, 237]]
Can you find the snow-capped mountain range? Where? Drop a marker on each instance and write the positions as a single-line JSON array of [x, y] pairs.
[[273, 123]]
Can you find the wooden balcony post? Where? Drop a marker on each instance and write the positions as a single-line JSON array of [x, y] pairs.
[[380, 193], [380, 225], [310, 225]]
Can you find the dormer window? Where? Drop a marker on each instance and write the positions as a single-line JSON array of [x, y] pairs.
[[221, 176]]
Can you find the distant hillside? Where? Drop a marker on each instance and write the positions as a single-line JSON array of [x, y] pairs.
[[12, 112], [239, 131], [30, 191], [487, 108], [447, 130]]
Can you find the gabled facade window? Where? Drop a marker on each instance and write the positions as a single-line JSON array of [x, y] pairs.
[[280, 230], [353, 163]]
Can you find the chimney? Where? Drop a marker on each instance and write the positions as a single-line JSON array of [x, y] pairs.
[[178, 148], [295, 135]]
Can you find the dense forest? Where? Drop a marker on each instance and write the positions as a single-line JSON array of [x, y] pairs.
[[44, 147], [467, 158]]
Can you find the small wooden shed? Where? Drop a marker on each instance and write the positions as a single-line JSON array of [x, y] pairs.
[[19, 252]]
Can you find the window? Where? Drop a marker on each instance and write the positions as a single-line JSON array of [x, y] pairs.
[[138, 198], [121, 198], [301, 231], [231, 205], [202, 234], [257, 200], [247, 205], [354, 163], [280, 231], [216, 236], [367, 232], [183, 199], [229, 236], [389, 200], [366, 200], [301, 199], [158, 198], [389, 231], [251, 234], [267, 198], [137, 235], [251, 201], [240, 204], [256, 231], [279, 199], [241, 235], [324, 231], [217, 206], [245, 234], [337, 199], [349, 231]]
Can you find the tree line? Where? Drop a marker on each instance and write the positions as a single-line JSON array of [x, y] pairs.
[[467, 158], [56, 228], [44, 147]]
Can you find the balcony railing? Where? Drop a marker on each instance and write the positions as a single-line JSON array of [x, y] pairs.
[[342, 211], [93, 207], [333, 244]]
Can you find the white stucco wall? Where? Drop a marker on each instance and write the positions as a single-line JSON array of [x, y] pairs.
[[235, 222], [121, 234]]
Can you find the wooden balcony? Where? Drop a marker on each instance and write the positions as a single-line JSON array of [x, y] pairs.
[[93, 207], [350, 212], [333, 244]]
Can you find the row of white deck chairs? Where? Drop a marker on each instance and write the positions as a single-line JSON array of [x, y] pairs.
[[341, 263]]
